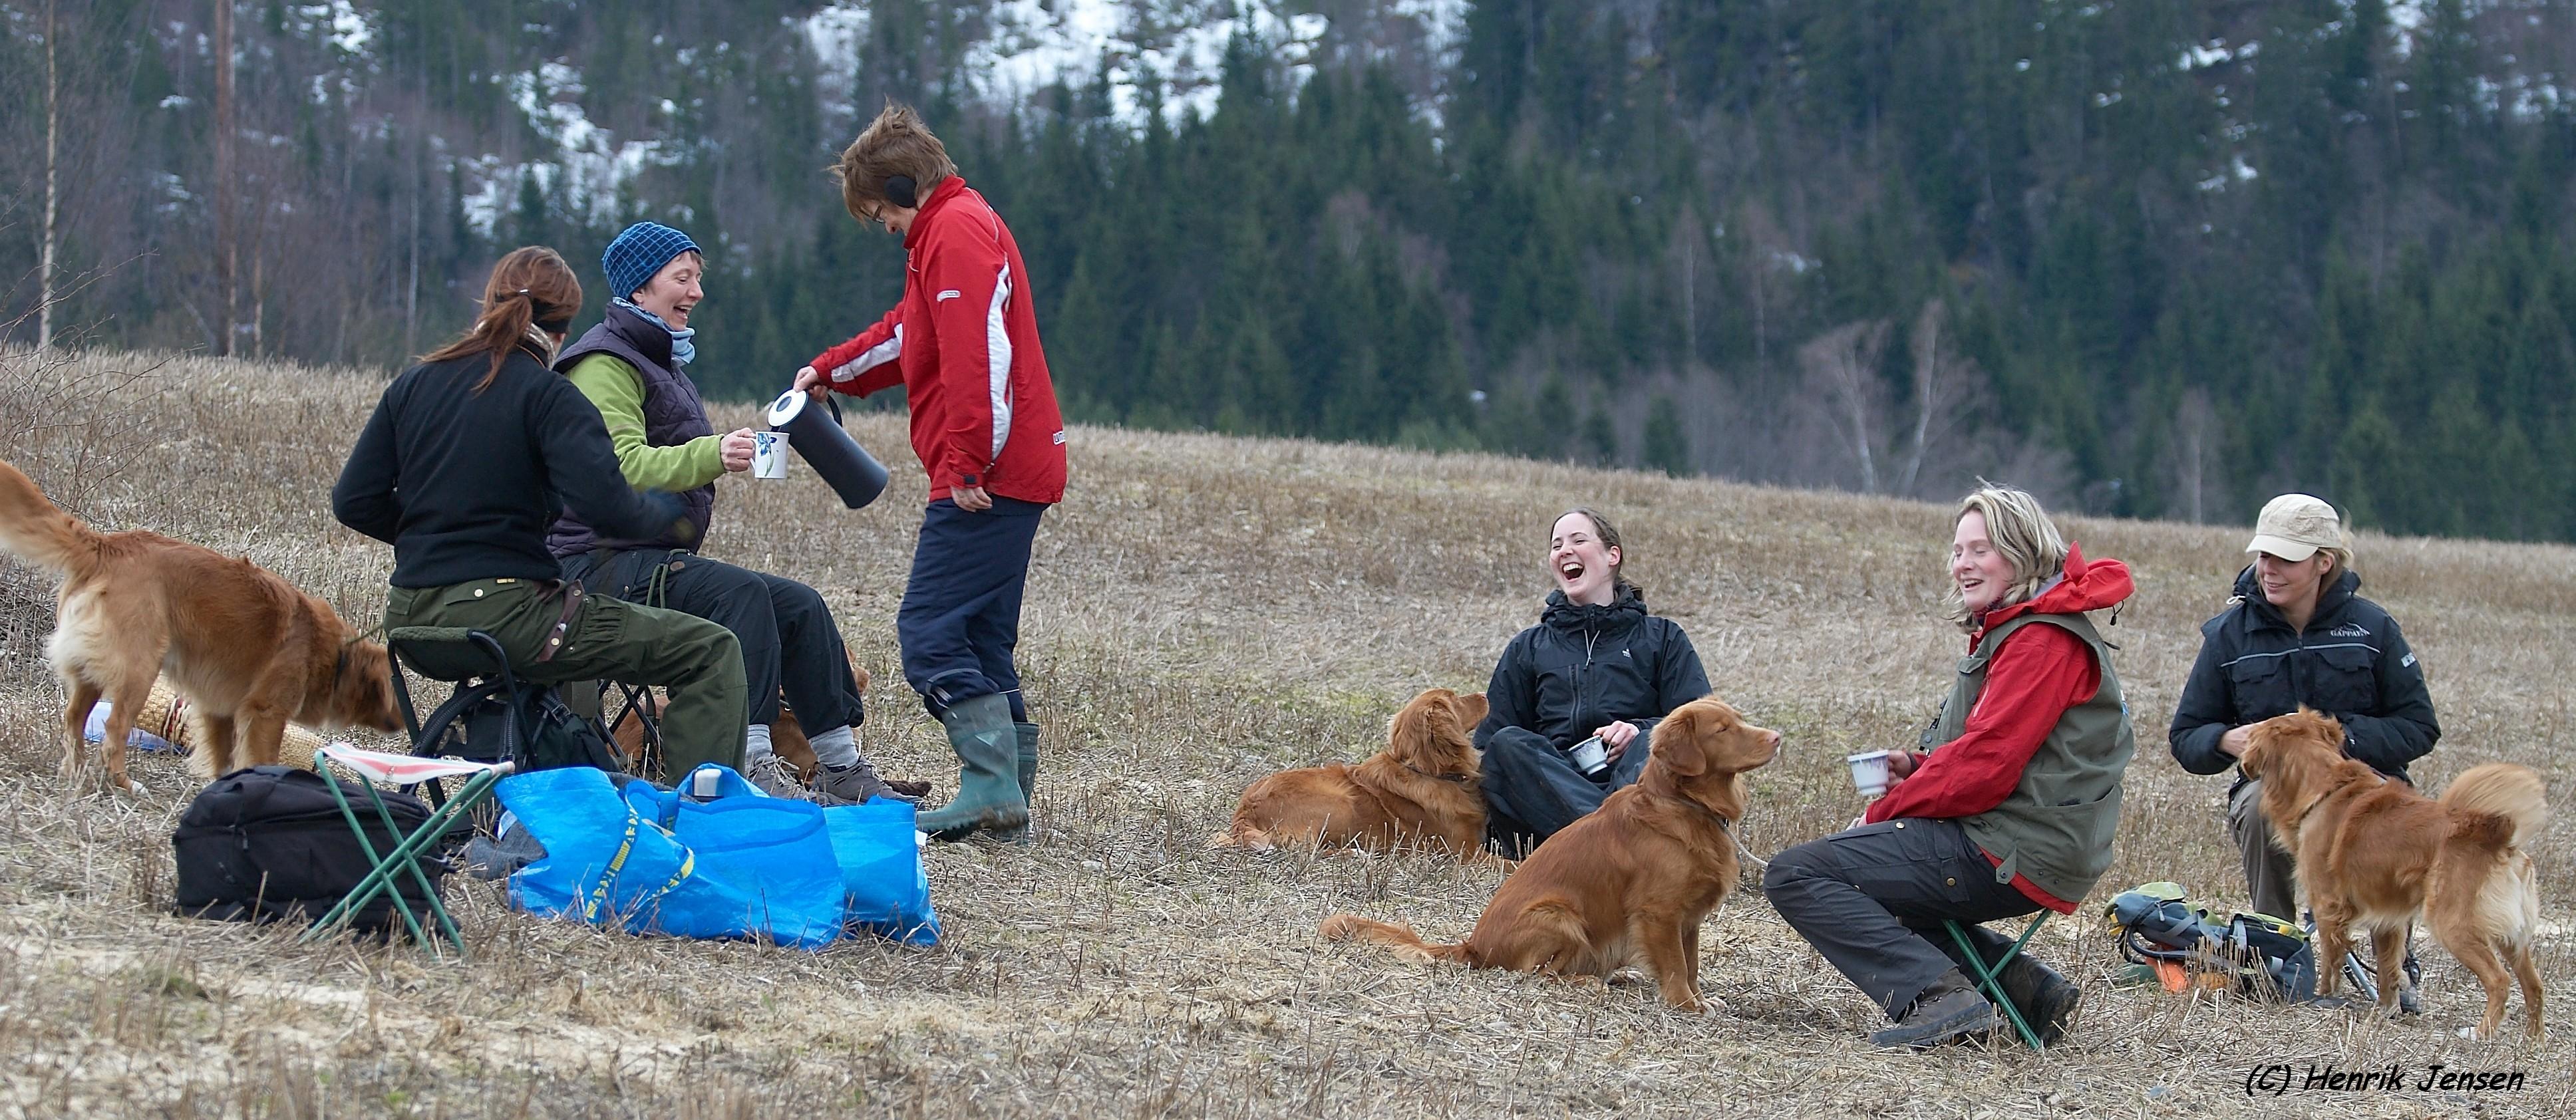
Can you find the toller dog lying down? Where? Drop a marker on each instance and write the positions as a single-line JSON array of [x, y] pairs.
[[2372, 853], [1422, 789], [1629, 883], [247, 649]]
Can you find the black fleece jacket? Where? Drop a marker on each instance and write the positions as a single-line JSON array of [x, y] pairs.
[[463, 484], [2350, 663], [1584, 666]]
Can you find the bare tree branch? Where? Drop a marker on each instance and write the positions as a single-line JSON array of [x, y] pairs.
[[1842, 372]]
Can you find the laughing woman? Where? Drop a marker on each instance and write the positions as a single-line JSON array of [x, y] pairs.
[[2013, 809], [1596, 665]]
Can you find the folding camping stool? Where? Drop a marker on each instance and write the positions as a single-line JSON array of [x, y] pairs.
[[1990, 978], [381, 767]]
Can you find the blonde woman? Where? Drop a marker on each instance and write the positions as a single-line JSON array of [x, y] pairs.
[[2011, 808], [2298, 632]]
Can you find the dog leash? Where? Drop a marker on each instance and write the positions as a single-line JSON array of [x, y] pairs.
[[1740, 849]]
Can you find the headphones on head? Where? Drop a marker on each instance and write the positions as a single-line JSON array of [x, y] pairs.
[[899, 189]]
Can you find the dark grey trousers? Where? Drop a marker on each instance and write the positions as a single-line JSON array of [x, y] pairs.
[[1872, 900], [1532, 791]]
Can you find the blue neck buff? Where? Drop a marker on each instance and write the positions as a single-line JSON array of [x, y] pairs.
[[684, 347]]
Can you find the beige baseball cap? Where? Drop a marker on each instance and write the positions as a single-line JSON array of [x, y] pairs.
[[2294, 526]]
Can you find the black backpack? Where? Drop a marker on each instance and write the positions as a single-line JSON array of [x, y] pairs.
[[269, 843], [475, 724]]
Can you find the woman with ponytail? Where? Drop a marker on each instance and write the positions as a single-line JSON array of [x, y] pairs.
[[470, 455]]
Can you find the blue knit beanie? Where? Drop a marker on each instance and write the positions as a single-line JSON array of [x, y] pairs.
[[638, 253]]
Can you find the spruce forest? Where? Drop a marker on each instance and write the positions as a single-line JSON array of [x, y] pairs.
[[2157, 258]]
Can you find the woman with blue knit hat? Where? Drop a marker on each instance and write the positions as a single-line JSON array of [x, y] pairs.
[[633, 367]]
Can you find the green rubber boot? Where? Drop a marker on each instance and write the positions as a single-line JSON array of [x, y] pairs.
[[988, 793], [1019, 834]]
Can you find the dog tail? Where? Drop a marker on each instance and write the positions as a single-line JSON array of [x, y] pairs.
[[38, 531], [1407, 944], [2501, 789]]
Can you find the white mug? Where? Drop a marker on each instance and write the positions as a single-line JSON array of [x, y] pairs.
[[768, 454], [1869, 772], [1590, 756]]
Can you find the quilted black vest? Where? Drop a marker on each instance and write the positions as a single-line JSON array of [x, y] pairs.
[[673, 414]]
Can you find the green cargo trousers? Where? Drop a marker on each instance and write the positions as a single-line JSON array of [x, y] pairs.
[[609, 639]]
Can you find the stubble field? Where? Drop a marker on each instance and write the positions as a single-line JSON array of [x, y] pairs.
[[1202, 611]]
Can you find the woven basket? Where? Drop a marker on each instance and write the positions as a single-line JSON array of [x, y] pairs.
[[169, 715]]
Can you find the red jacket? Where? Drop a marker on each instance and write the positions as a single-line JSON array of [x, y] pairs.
[[964, 346], [2039, 673]]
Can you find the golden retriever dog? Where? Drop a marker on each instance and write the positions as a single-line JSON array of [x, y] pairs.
[[1630, 882], [1423, 788], [247, 649], [2373, 853]]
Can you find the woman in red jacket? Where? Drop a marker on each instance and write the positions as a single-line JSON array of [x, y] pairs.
[[963, 344], [2013, 807]]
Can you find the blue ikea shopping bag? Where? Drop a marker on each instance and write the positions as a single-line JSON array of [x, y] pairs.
[[775, 853], [607, 864], [737, 864], [881, 870]]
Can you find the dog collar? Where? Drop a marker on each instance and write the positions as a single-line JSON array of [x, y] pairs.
[[2295, 822], [1461, 779]]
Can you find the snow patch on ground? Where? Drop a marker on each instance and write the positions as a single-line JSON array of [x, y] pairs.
[[589, 166], [1167, 50]]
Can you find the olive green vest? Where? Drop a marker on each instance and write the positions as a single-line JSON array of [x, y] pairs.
[[2056, 827]]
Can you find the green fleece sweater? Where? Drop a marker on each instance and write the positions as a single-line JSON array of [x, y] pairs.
[[618, 393]]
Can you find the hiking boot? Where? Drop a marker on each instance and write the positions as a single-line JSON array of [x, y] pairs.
[[988, 793], [771, 775], [1947, 1011], [1019, 834], [2045, 999], [856, 783]]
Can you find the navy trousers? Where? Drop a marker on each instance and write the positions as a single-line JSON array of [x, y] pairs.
[[960, 618], [1532, 790]]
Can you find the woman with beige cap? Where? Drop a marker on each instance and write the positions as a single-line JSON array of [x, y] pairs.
[[2296, 633]]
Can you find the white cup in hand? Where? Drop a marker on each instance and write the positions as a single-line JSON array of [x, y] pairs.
[[1869, 772], [768, 454]]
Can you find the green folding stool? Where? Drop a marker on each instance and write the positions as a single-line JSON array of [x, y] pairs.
[[374, 768], [1990, 978]]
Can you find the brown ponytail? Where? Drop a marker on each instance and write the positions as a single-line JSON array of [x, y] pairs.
[[531, 289]]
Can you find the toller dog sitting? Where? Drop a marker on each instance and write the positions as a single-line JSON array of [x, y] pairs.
[[1629, 883], [246, 648], [1422, 789], [2372, 853]]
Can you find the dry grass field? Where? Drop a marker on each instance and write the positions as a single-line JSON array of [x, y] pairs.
[[1202, 611]]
